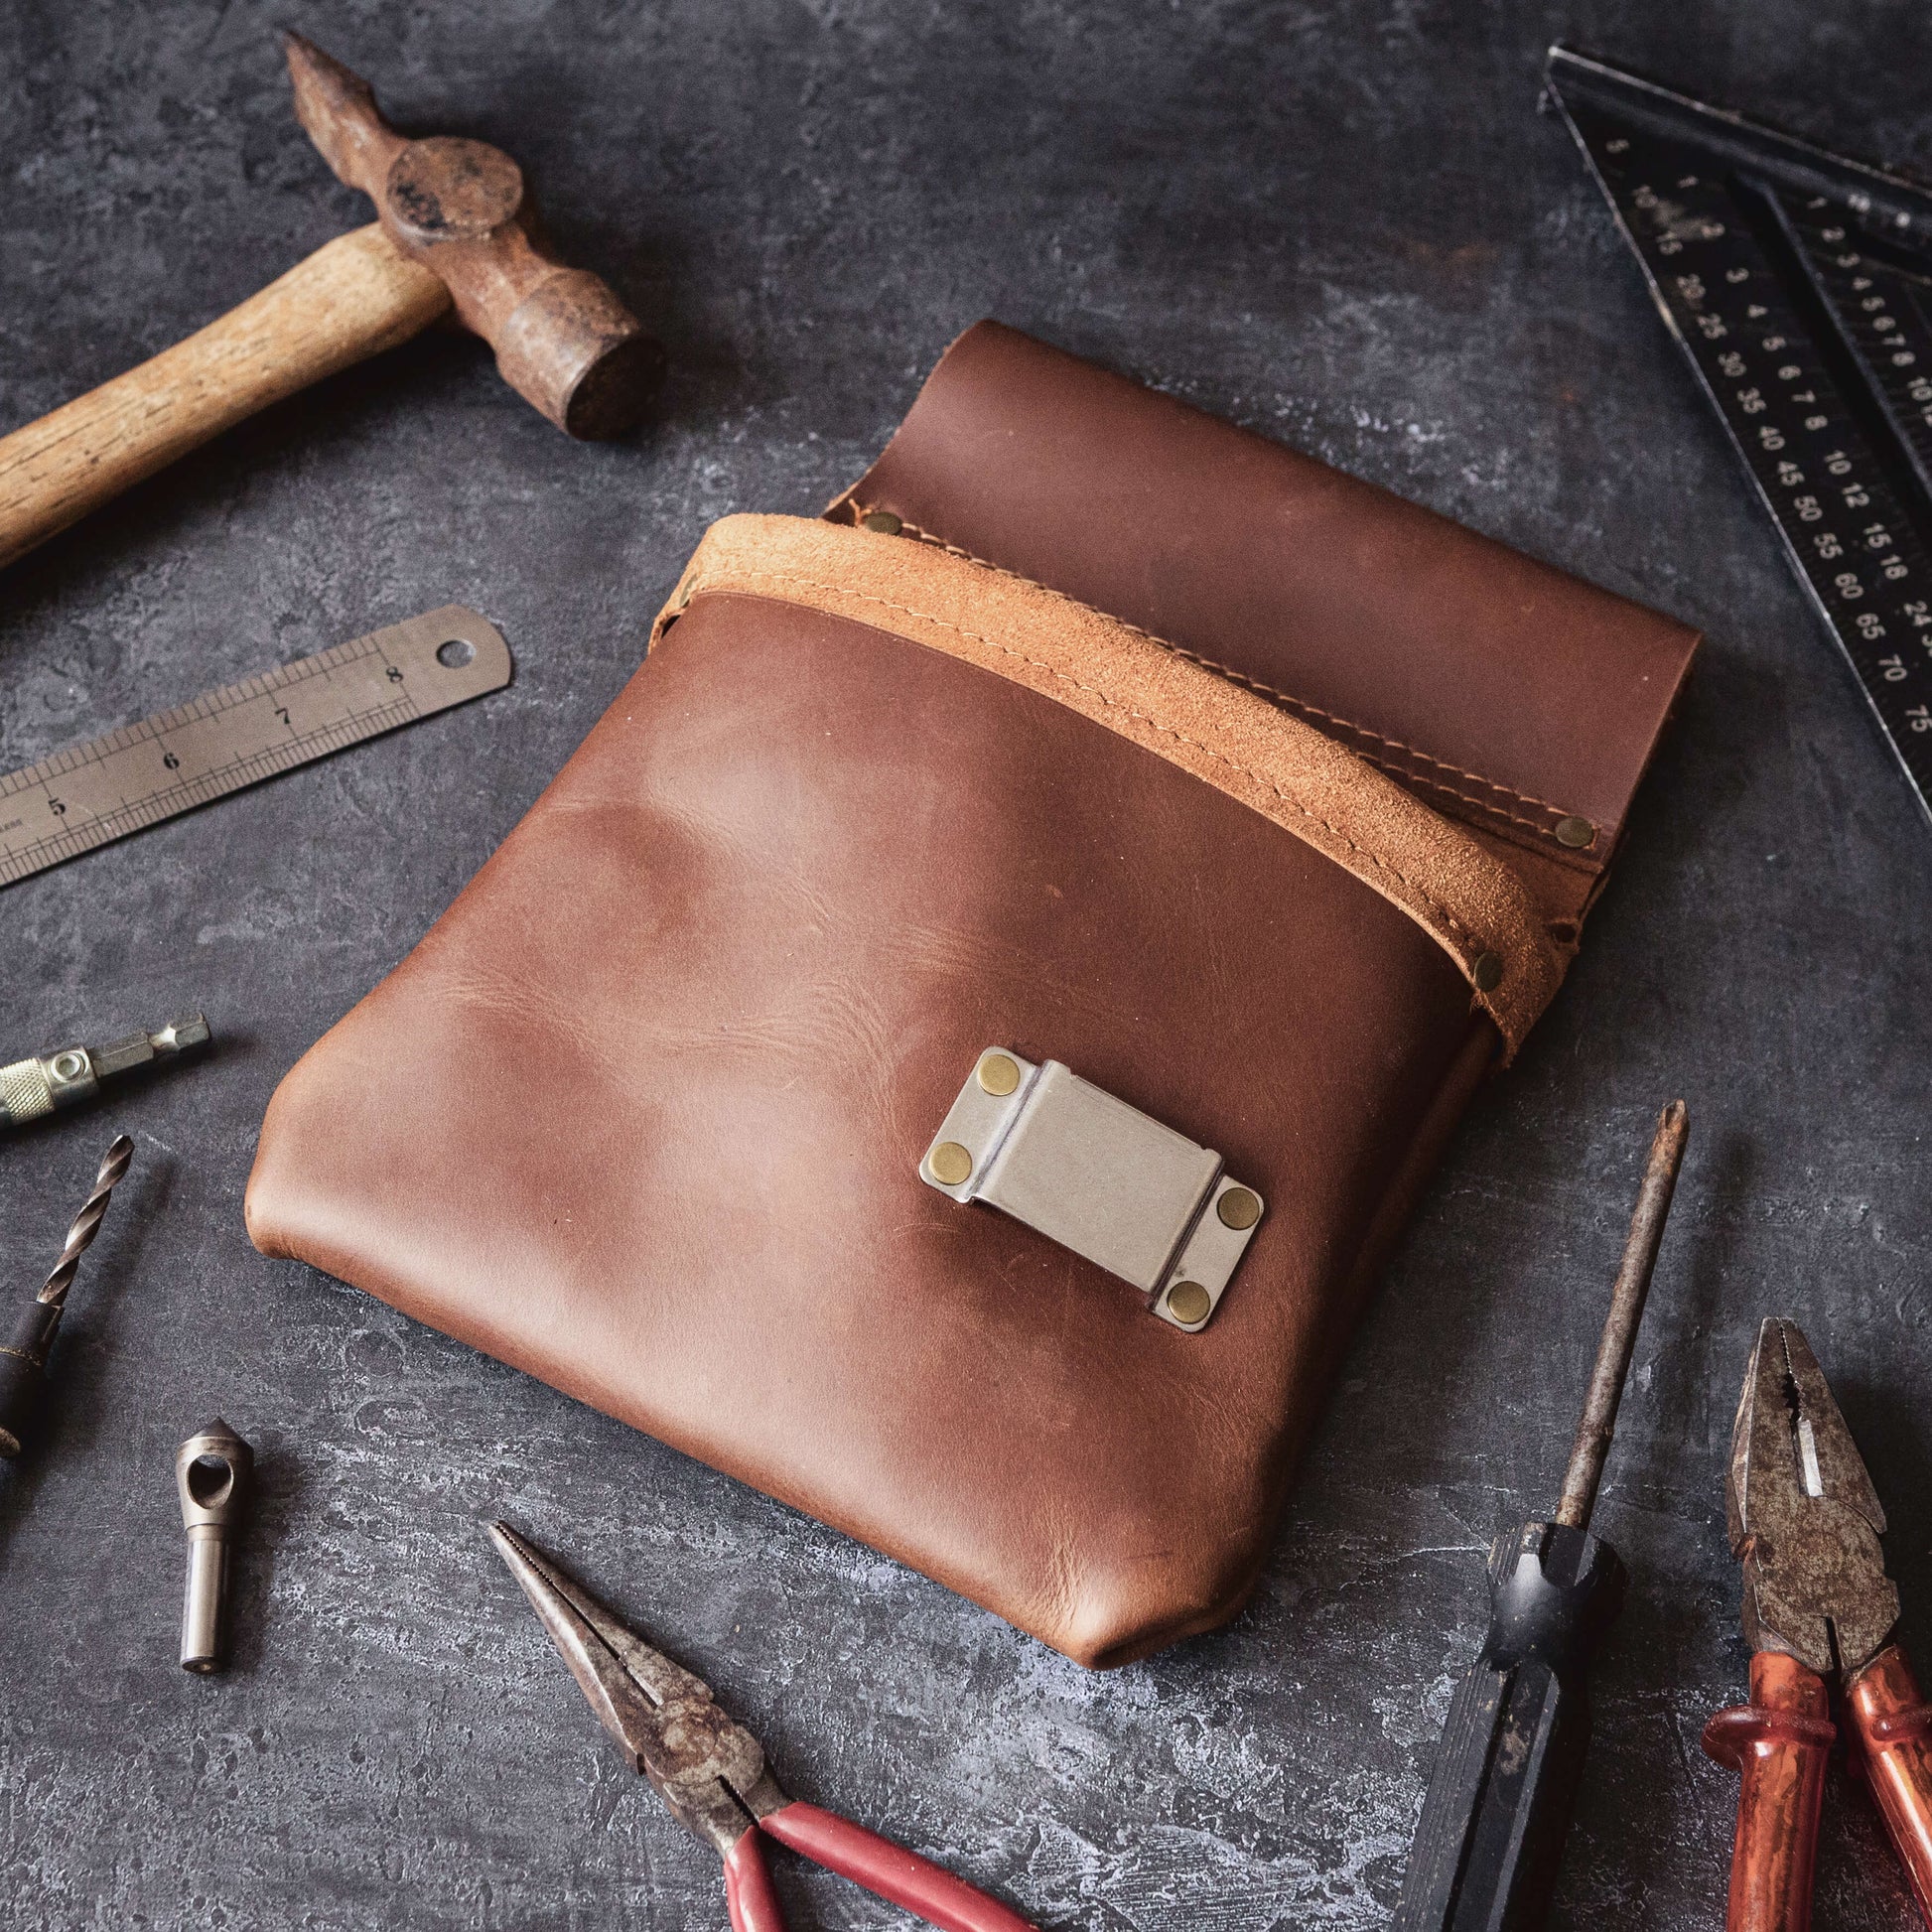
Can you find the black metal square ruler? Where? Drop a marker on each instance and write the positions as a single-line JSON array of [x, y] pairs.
[[1800, 286]]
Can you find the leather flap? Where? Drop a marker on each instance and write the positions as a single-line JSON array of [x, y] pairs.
[[1503, 691], [1470, 902]]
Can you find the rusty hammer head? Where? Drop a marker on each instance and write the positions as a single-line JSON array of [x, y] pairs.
[[563, 340]]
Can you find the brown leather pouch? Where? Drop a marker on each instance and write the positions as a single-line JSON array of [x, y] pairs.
[[1086, 726]]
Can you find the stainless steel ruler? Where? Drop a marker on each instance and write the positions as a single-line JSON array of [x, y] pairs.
[[1799, 284], [103, 790]]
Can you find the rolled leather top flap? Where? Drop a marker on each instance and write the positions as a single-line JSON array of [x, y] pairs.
[[1501, 691], [1471, 903]]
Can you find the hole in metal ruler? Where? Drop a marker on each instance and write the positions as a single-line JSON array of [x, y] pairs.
[[453, 656]]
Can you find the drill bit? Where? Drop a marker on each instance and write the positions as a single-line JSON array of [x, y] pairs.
[[22, 1355], [87, 1224]]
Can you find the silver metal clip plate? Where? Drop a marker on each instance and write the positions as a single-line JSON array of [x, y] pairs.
[[1098, 1176]]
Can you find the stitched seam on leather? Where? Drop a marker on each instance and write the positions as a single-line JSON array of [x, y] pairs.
[[1121, 704], [1256, 684], [1395, 766]]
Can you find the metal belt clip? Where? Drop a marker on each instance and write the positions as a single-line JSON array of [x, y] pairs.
[[1098, 1176]]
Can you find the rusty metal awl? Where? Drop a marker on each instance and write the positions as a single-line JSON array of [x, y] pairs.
[[1499, 1800]]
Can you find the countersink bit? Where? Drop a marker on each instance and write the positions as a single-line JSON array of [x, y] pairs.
[[22, 1355], [212, 1472], [45, 1083]]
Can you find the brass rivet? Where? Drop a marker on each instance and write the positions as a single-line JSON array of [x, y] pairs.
[[884, 521], [1488, 971], [1238, 1208], [1576, 832], [949, 1164], [999, 1074], [1189, 1302]]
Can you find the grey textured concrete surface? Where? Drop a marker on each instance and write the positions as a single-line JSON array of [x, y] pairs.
[[1342, 224]]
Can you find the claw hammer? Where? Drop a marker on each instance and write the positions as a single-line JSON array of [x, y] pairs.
[[457, 231]]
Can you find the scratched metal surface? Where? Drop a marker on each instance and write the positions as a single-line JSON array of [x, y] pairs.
[[1346, 227]]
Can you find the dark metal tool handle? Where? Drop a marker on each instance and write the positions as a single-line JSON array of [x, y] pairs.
[[890, 1870], [1780, 1743], [1499, 1800], [22, 1371]]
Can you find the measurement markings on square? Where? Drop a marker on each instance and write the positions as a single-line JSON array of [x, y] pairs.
[[1799, 286], [1100, 1177]]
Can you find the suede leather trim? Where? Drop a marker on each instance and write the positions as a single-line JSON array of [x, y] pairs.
[[1467, 901], [1490, 805]]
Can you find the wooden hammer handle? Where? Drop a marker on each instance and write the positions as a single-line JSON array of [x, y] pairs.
[[352, 297]]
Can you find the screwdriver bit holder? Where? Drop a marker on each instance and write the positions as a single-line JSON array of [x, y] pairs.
[[65, 1076]]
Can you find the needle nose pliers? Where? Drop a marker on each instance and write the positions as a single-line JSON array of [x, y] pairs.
[[712, 1773], [1819, 1609]]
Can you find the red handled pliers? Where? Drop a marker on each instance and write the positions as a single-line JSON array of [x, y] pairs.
[[1819, 1610], [712, 1773]]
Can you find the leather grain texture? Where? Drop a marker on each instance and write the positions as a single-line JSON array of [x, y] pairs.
[[1471, 903], [643, 1113], [1506, 693]]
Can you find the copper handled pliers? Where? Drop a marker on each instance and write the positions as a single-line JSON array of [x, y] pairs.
[[712, 1773], [1819, 1612]]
